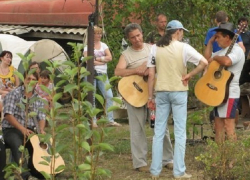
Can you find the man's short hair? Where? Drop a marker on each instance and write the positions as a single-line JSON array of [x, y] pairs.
[[158, 15], [221, 16], [242, 19], [131, 27], [34, 63]]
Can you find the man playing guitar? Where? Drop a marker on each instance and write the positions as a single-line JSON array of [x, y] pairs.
[[233, 61]]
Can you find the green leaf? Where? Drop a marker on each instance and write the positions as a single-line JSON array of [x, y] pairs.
[[117, 100], [57, 96], [70, 87], [61, 127], [114, 78], [60, 168], [19, 75], [45, 163], [60, 147], [69, 63], [45, 89], [108, 86], [86, 146], [32, 114], [45, 175], [84, 167], [99, 98], [61, 82], [105, 146], [112, 108], [80, 126]]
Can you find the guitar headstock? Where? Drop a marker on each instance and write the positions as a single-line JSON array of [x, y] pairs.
[[241, 28]]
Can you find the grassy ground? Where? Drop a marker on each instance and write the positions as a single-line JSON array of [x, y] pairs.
[[119, 162]]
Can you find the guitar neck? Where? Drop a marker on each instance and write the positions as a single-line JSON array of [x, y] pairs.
[[230, 49], [232, 44]]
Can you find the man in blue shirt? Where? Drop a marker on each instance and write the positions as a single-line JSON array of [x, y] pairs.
[[221, 16]]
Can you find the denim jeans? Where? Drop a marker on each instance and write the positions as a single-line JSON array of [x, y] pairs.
[[165, 101], [108, 95]]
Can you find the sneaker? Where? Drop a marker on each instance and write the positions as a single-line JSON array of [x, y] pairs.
[[155, 177], [184, 176], [95, 125], [142, 169], [114, 124], [169, 166]]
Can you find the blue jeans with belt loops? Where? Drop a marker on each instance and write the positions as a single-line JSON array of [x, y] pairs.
[[165, 101], [107, 94]]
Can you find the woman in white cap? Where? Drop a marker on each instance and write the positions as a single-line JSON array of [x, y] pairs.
[[169, 58]]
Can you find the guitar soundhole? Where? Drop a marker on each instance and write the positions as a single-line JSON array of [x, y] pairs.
[[137, 87], [217, 74], [43, 145]]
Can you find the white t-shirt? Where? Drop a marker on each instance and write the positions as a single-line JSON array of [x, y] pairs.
[[237, 57], [99, 53], [189, 55]]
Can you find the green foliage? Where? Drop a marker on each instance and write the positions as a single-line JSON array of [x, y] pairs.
[[196, 15], [229, 160], [86, 145]]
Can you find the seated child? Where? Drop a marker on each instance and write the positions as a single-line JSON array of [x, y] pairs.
[[44, 80]]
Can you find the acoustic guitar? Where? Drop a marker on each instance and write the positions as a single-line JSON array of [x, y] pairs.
[[41, 158], [213, 88], [134, 89]]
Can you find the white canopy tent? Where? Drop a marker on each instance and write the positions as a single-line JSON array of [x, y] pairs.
[[45, 49], [15, 45]]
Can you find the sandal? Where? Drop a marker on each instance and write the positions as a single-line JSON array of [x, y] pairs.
[[114, 124]]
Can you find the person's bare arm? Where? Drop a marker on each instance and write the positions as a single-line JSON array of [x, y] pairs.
[[42, 126], [202, 64], [151, 81], [223, 60], [209, 48], [106, 58], [121, 68]]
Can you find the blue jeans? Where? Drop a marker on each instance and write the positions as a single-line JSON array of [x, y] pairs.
[[165, 101], [108, 95]]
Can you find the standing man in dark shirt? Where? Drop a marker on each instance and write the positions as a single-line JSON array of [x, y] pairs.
[[220, 17], [245, 36], [155, 35]]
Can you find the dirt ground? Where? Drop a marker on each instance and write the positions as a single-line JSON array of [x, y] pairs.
[[119, 162]]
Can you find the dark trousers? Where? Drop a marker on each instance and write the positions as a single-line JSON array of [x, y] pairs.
[[13, 138], [2, 159]]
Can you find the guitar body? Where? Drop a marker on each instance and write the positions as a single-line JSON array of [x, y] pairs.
[[38, 153], [134, 89], [213, 88]]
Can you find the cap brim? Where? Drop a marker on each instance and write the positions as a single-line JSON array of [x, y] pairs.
[[177, 28], [220, 29]]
